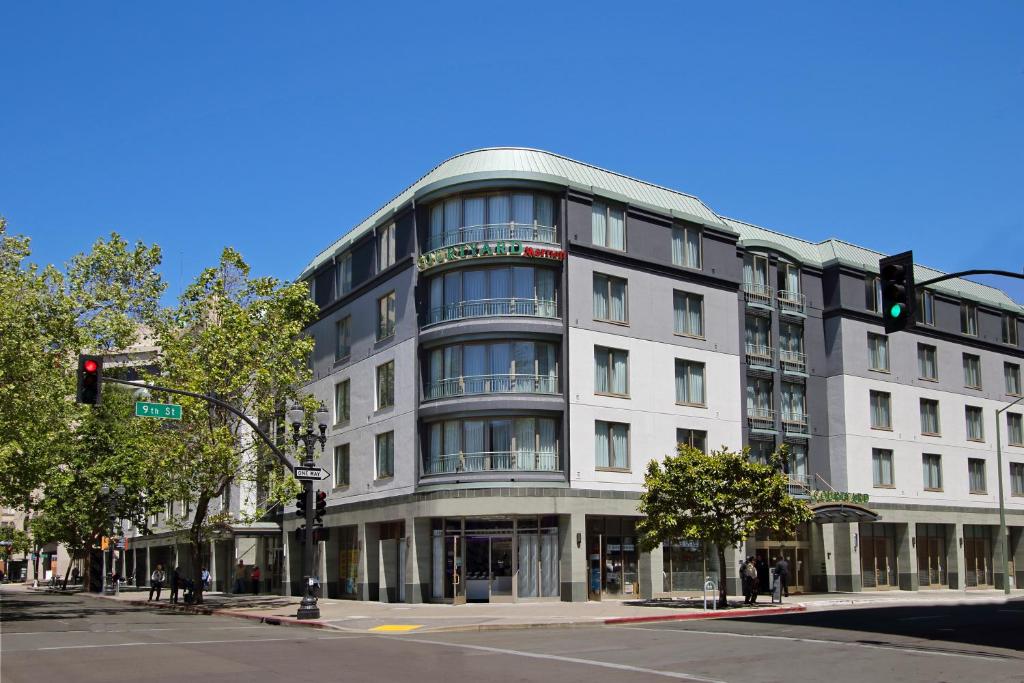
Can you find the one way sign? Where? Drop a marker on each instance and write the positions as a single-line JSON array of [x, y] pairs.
[[311, 473]]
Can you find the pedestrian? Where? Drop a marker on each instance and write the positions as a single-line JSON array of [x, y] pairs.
[[175, 584], [751, 571], [745, 581], [74, 574], [254, 576], [205, 577], [156, 581], [782, 572], [240, 577]]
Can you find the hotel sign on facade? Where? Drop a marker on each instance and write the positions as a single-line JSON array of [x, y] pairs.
[[459, 252]]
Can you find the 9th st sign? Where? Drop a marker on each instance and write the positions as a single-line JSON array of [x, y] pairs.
[[163, 411]]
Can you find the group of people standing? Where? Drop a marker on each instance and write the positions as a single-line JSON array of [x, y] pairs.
[[178, 582], [755, 576]]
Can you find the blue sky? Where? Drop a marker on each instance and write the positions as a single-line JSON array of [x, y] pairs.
[[276, 127]]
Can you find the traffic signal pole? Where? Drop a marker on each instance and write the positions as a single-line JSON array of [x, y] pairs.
[[308, 608]]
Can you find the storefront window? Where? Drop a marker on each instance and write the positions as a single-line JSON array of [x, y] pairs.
[[348, 557], [686, 564]]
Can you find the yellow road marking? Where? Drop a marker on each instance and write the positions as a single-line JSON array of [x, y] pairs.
[[397, 628]]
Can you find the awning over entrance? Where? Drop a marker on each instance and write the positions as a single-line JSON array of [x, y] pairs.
[[828, 513]]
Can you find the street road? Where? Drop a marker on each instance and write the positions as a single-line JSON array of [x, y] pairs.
[[53, 637]]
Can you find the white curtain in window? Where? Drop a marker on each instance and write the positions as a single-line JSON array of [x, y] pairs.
[[545, 211], [599, 224], [501, 444], [601, 445], [546, 292], [452, 220], [500, 282], [620, 369], [549, 565], [522, 282], [798, 459], [696, 312], [453, 361], [600, 297], [474, 363], [679, 321], [620, 445], [693, 248], [436, 296], [678, 256], [473, 219], [524, 357], [452, 288], [526, 446], [499, 214], [548, 448], [681, 382], [452, 437], [473, 436], [529, 550], [616, 229], [474, 285], [436, 366], [971, 374], [547, 365], [434, 450], [696, 382], [500, 362], [618, 300], [522, 216], [601, 369], [436, 224], [748, 269], [793, 279]]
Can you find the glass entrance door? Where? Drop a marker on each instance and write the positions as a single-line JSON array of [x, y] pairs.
[[455, 575], [878, 565], [931, 555], [977, 556], [501, 569]]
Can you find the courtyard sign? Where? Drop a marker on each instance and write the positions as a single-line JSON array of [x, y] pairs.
[[839, 497], [460, 252]]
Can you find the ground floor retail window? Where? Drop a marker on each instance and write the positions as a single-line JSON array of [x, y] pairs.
[[977, 556], [687, 564], [613, 558], [878, 555], [796, 549], [348, 562], [931, 555]]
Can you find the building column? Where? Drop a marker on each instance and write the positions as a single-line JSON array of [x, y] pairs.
[[213, 565], [417, 559], [733, 580], [369, 569], [956, 566], [846, 556], [1017, 556], [572, 569], [149, 567], [997, 557], [906, 556], [651, 569]]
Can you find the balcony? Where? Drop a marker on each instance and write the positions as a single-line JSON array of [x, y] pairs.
[[493, 461], [487, 308], [494, 232], [795, 424], [792, 303], [793, 362], [491, 384], [759, 296], [761, 419], [760, 358]]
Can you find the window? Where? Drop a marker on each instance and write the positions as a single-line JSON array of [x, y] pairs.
[[1011, 372], [343, 338], [975, 423], [492, 368], [972, 371], [496, 444], [492, 291], [694, 438], [342, 407], [976, 475], [755, 276], [873, 293], [789, 280], [610, 299], [386, 316], [932, 471], [881, 467], [341, 465], [1017, 478], [878, 352], [969, 319], [686, 247], [689, 382], [386, 247], [386, 385], [688, 314], [385, 455], [611, 444], [761, 452], [1009, 329], [927, 365], [925, 308], [929, 417], [608, 226], [880, 413], [343, 285], [1014, 429], [611, 371]]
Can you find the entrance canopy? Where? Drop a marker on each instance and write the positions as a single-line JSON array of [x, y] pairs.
[[828, 513]]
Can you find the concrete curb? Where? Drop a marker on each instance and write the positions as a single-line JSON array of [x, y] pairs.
[[717, 614], [211, 611]]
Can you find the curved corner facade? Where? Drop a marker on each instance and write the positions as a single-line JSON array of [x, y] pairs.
[[506, 344]]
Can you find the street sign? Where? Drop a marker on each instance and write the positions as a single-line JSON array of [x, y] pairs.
[[164, 411], [311, 473]]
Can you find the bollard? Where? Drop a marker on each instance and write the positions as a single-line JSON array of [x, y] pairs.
[[709, 585]]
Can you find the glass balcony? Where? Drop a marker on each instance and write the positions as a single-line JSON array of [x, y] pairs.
[[762, 419], [795, 424], [760, 357], [486, 308], [491, 384], [493, 461], [793, 362], [758, 295], [793, 303], [523, 232]]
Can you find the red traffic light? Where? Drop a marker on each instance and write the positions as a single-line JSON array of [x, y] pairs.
[[90, 365], [90, 379]]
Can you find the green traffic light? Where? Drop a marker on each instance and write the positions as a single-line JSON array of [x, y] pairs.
[[896, 310]]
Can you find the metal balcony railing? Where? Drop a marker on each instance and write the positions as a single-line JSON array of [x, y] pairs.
[[792, 302], [761, 418], [761, 356], [491, 384], [493, 461], [793, 361], [486, 308], [758, 294], [525, 232], [800, 484], [795, 424]]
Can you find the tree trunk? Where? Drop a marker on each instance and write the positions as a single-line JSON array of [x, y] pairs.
[[67, 572], [196, 538], [723, 594]]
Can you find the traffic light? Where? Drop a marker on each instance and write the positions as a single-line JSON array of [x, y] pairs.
[[321, 506], [90, 379], [300, 503], [897, 291]]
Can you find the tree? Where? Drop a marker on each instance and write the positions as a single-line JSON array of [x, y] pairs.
[[240, 339], [720, 497]]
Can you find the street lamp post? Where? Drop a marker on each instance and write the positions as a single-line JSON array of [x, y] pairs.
[[1003, 545], [112, 496], [297, 416]]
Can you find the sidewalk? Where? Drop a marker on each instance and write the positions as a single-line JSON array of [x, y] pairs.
[[347, 615]]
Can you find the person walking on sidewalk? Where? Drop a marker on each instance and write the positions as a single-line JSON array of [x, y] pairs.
[[156, 581], [782, 572], [751, 572], [239, 586], [175, 584], [205, 578], [254, 576]]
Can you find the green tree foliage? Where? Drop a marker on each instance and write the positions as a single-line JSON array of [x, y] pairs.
[[720, 498], [240, 339]]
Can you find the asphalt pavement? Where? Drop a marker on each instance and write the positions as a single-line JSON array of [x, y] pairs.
[[81, 638]]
